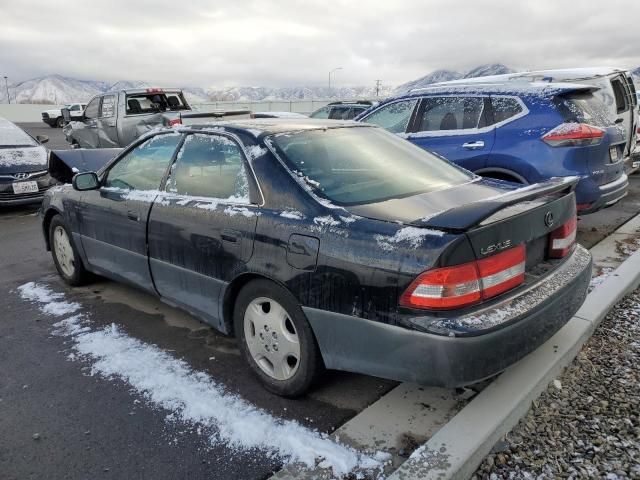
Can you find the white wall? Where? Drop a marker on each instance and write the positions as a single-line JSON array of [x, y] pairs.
[[23, 112]]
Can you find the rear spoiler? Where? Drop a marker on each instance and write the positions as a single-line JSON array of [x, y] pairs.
[[472, 214], [64, 164], [215, 114]]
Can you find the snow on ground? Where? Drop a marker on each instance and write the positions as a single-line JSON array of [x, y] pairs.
[[190, 396]]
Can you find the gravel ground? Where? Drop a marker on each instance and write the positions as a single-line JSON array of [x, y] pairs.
[[587, 423]]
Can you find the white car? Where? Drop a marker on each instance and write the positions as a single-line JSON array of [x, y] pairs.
[[54, 119]]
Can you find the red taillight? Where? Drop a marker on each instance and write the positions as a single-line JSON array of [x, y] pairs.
[[562, 239], [466, 284], [155, 90], [573, 135], [175, 121], [583, 206]]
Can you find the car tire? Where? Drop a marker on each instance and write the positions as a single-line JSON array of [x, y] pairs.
[[60, 122], [276, 338], [65, 254]]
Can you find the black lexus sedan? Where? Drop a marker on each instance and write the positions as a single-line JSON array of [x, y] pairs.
[[323, 244], [23, 166]]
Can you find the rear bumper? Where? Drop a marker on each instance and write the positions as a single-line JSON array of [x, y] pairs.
[[521, 324], [609, 194]]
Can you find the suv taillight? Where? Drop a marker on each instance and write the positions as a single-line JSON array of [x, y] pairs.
[[175, 121], [573, 135], [562, 238], [462, 285]]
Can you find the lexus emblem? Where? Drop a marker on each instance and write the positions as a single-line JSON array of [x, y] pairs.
[[548, 219], [20, 176]]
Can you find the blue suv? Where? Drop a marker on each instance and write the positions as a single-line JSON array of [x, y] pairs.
[[523, 132]]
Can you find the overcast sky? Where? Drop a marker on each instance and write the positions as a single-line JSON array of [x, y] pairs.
[[289, 43]]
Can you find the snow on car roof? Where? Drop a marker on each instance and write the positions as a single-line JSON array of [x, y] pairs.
[[498, 84]]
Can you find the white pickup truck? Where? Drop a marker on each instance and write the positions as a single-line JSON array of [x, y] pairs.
[[54, 119]]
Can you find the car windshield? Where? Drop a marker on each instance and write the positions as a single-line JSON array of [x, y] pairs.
[[12, 136], [360, 165]]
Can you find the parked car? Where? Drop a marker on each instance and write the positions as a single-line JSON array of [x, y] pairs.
[[54, 118], [115, 119], [341, 110], [615, 89], [277, 115], [328, 244], [23, 166], [516, 131]]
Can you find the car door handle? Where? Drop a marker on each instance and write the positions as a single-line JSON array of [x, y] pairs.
[[131, 215], [473, 145], [230, 236]]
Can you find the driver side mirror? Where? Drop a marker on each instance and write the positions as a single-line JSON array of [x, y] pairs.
[[86, 181], [42, 138]]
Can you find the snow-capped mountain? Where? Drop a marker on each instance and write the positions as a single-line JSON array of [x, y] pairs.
[[245, 94], [53, 89], [448, 75]]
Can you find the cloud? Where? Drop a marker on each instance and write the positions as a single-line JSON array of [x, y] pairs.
[[286, 42]]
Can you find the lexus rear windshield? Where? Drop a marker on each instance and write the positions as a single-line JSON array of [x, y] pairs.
[[360, 165], [13, 137]]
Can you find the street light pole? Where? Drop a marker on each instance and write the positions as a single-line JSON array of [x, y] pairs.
[[6, 85], [330, 72]]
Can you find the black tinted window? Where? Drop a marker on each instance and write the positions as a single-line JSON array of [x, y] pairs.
[[450, 113], [620, 95], [93, 108], [210, 166], [393, 116], [504, 108], [340, 113], [144, 166], [364, 165]]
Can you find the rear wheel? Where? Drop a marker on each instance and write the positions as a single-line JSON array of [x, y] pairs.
[[65, 255], [276, 338]]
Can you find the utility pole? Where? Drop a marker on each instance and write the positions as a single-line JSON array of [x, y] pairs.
[[330, 72], [378, 85], [6, 85]]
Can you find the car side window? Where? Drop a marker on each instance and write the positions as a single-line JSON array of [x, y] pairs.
[[74, 108], [144, 167], [394, 116], [450, 113], [210, 166], [93, 108], [620, 95], [504, 108], [108, 106], [340, 113], [321, 113]]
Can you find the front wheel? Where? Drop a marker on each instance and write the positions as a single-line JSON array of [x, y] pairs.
[[276, 338], [60, 122], [65, 255]]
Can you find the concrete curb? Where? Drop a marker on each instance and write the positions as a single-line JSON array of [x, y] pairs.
[[457, 449]]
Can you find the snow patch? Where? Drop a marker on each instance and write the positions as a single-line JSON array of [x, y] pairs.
[[194, 397], [413, 236], [292, 214], [256, 151]]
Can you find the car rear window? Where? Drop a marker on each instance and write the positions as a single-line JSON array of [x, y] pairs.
[[155, 102], [12, 136], [360, 165], [583, 107]]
